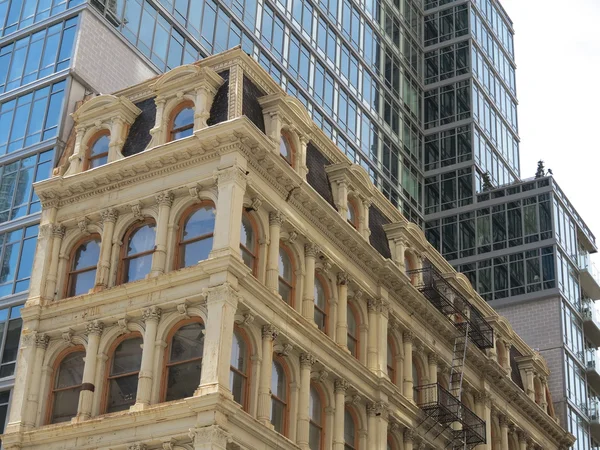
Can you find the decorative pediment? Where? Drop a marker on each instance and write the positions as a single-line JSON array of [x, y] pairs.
[[354, 176], [105, 108], [186, 78], [289, 109]]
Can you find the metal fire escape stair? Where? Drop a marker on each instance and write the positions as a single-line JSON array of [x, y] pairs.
[[458, 360]]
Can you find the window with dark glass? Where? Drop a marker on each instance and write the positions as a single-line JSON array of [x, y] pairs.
[[182, 123], [285, 149], [352, 332], [350, 441], [184, 362], [286, 276], [17, 249], [82, 273], [248, 242], [320, 304], [136, 258], [279, 399], [196, 235], [97, 153], [391, 370], [67, 385], [315, 408], [123, 377], [352, 216], [238, 377], [10, 333], [4, 401]]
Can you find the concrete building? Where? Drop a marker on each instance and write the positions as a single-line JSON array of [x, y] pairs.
[[213, 272]]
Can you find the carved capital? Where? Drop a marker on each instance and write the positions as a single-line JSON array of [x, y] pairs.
[[434, 359], [58, 231], [523, 436], [341, 385], [376, 408], [222, 293], [307, 360], [372, 305], [94, 327], [269, 332], [311, 250], [110, 215], [276, 218], [151, 313], [164, 198], [343, 278], [409, 435], [255, 203], [231, 174], [212, 433], [137, 446], [41, 340], [408, 336]]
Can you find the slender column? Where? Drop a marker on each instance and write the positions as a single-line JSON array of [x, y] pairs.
[[544, 400], [400, 250], [408, 437], [408, 363], [523, 439], [433, 378], [308, 302], [530, 388], [231, 183], [371, 425], [506, 362], [204, 99], [151, 317], [159, 258], [109, 217], [342, 200], [377, 425], [275, 221], [41, 343], [58, 233], [116, 140], [487, 417], [503, 431], [269, 333], [212, 437], [341, 329], [373, 316], [221, 304], [306, 362], [94, 332], [363, 219], [382, 337], [340, 387]]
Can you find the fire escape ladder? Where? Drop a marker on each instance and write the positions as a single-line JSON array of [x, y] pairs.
[[458, 360]]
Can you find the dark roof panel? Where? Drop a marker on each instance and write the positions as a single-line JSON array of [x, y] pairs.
[[139, 135], [317, 177], [378, 238], [250, 106], [219, 111]]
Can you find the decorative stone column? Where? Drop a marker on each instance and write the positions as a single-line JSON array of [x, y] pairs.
[[400, 245], [544, 400], [382, 337], [41, 344], [212, 437], [269, 334], [342, 200], [109, 217], [306, 362], [341, 329], [94, 332], [57, 235], [363, 219], [151, 317], [433, 376], [204, 100], [372, 342], [530, 386], [221, 303], [523, 440], [377, 425], [308, 301], [407, 340], [231, 184], [503, 420], [340, 388], [276, 219], [506, 363], [116, 139], [408, 437], [159, 258]]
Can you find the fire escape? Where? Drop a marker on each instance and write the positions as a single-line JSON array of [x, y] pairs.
[[444, 410]]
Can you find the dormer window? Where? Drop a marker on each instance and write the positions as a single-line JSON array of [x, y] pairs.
[[352, 215], [182, 124], [97, 154], [286, 149]]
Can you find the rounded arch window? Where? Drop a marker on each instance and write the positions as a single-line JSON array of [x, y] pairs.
[[67, 385], [196, 235], [184, 361], [350, 441], [391, 357], [352, 215], [238, 377], [123, 375], [286, 149], [416, 379], [182, 122], [320, 304], [84, 262], [286, 276], [279, 397], [352, 331], [248, 241], [315, 435], [136, 255], [97, 152]]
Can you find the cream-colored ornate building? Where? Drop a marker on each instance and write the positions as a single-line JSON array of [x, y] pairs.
[[213, 273]]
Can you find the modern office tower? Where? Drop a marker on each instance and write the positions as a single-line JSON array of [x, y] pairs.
[[197, 288], [520, 242]]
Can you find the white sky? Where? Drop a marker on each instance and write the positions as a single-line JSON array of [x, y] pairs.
[[557, 51]]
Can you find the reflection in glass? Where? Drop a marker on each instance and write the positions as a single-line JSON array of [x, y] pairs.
[[124, 372], [82, 275], [316, 421], [183, 124], [278, 397], [239, 368], [320, 305], [98, 152], [248, 241], [285, 276], [352, 332], [66, 389], [185, 361], [349, 431], [285, 149], [138, 259], [197, 236]]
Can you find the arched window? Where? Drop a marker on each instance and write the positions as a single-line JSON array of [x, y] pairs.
[[286, 276], [97, 151], [238, 378], [182, 121], [123, 376], [391, 359], [416, 379], [184, 361], [352, 216], [196, 235], [315, 435], [350, 441], [321, 306], [248, 242], [84, 261], [136, 254], [279, 397], [286, 149], [390, 443], [66, 387], [352, 331]]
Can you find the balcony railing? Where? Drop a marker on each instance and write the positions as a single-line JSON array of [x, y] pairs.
[[445, 409], [589, 276], [453, 305], [592, 366], [591, 321]]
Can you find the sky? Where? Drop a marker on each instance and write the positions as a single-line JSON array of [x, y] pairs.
[[557, 51]]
